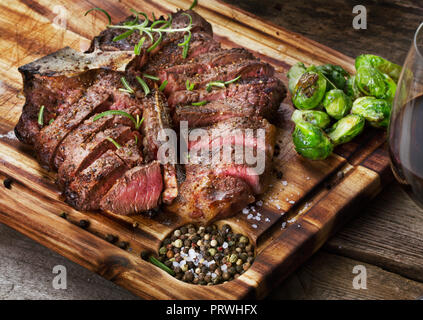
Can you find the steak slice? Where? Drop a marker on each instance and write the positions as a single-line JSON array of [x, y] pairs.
[[90, 127], [265, 94], [88, 188], [156, 120], [245, 68], [171, 54], [130, 152], [104, 41], [52, 135], [215, 111], [137, 191], [87, 152], [207, 61], [239, 131], [205, 197]]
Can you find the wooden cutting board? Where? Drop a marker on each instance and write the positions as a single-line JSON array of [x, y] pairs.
[[304, 208]]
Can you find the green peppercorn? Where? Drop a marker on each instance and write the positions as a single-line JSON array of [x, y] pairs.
[[162, 250], [243, 239]]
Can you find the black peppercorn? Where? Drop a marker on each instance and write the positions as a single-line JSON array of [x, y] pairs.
[[84, 224], [111, 238], [123, 245], [8, 183]]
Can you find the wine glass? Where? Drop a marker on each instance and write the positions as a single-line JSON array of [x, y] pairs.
[[406, 124]]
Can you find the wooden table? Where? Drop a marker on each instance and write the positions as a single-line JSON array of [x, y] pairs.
[[386, 237]]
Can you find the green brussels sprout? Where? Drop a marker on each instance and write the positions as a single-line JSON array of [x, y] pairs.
[[376, 111], [317, 118], [391, 88], [311, 142], [391, 69], [337, 103], [335, 74], [346, 129], [294, 74], [351, 89], [309, 90], [370, 81]]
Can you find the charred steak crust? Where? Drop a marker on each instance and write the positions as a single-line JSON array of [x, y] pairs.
[[105, 163]]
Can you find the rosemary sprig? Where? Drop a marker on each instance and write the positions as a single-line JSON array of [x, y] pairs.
[[41, 116], [101, 10], [163, 85], [200, 103], [150, 77], [138, 46], [143, 85], [220, 84], [137, 122], [189, 86], [127, 89], [117, 145], [161, 265], [193, 5]]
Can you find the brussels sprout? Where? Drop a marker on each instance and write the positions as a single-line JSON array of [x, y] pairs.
[[376, 111], [391, 88], [370, 81], [311, 142], [391, 69], [346, 129], [351, 88], [317, 118], [335, 74], [337, 103], [294, 74], [309, 90]]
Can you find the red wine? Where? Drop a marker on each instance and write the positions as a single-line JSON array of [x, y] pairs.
[[406, 147]]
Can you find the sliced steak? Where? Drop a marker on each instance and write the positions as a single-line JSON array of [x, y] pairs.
[[245, 68], [104, 41], [171, 54], [207, 61], [130, 152], [89, 127], [156, 120], [137, 191], [215, 111], [265, 94], [90, 150], [89, 186], [206, 197]]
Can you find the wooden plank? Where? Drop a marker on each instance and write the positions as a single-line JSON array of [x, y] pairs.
[[330, 277]]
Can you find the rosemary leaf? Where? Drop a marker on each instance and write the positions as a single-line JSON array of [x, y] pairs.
[[150, 77], [41, 116], [193, 5], [219, 84], [155, 44], [189, 86], [143, 85], [117, 145], [126, 85], [233, 80], [138, 46], [161, 265], [116, 112], [163, 85], [123, 35], [200, 103], [101, 10]]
